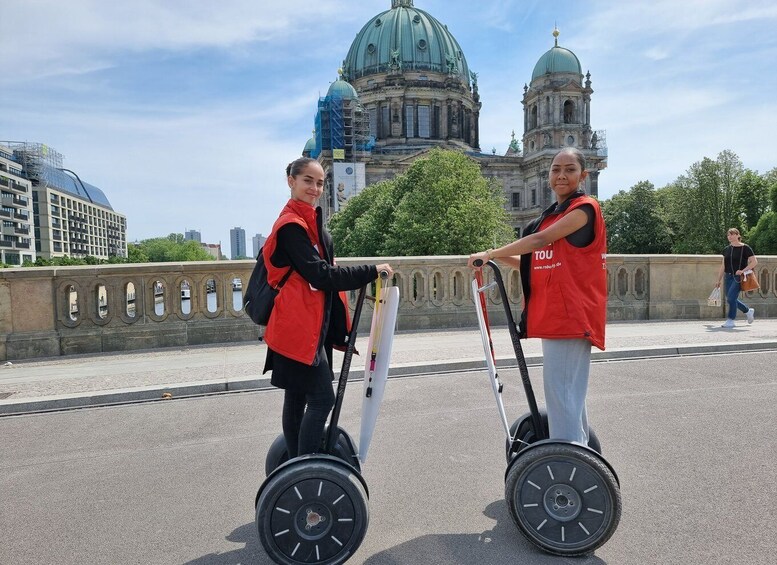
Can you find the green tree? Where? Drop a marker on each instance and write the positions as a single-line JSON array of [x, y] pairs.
[[136, 253], [763, 237], [359, 229], [701, 205], [442, 206], [752, 197], [770, 179], [173, 248], [634, 223]]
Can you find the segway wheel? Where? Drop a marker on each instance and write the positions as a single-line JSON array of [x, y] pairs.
[[522, 426], [563, 498], [277, 455], [314, 511]]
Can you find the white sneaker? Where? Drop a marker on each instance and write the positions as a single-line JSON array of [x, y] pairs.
[[750, 316], [728, 324]]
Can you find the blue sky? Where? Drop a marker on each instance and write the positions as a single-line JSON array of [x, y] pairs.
[[186, 112]]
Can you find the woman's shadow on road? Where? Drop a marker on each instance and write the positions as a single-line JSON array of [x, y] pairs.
[[502, 544], [252, 553]]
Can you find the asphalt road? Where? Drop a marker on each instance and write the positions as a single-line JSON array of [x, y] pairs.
[[691, 438]]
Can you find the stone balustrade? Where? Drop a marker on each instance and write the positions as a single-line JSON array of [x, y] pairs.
[[90, 309]]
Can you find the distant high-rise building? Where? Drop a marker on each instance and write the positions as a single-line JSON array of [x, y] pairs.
[[237, 242], [71, 217], [193, 235], [258, 240]]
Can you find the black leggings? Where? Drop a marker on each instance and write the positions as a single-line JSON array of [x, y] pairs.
[[304, 429]]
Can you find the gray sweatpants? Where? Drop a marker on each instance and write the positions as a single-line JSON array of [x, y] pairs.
[[566, 364]]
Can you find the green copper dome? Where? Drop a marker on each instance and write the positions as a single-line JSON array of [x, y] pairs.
[[404, 38], [557, 60], [310, 145], [342, 89]]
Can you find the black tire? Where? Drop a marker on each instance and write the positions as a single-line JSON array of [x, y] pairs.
[[563, 498], [277, 455], [312, 511], [526, 434]]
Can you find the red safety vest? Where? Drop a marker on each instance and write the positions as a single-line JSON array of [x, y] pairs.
[[295, 325], [569, 284]]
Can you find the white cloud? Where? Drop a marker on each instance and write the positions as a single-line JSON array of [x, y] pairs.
[[49, 37], [201, 140]]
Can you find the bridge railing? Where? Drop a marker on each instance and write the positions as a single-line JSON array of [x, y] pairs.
[[88, 309]]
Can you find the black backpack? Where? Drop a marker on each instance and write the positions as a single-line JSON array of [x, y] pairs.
[[260, 296]]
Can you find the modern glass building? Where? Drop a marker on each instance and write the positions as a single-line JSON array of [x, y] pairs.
[[71, 217]]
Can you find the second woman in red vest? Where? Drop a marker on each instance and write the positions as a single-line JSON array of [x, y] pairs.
[[310, 315], [562, 257]]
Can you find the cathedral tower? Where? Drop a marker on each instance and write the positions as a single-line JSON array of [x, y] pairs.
[[557, 114]]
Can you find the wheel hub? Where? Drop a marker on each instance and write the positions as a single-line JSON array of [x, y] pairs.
[[562, 502], [313, 521]]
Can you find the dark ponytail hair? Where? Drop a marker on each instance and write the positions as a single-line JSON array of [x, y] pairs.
[[295, 167]]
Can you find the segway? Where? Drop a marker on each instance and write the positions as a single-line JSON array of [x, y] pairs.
[[564, 496], [314, 508]]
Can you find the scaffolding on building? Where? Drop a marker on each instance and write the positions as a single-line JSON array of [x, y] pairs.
[[599, 142], [34, 157], [342, 124]]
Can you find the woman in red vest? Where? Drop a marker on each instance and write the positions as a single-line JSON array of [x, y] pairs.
[[562, 257], [310, 314]]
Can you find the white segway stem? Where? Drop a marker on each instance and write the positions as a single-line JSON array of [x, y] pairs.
[[496, 385]]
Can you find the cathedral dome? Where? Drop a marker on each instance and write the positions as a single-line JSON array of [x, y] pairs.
[[404, 38], [342, 89], [310, 145], [557, 60]]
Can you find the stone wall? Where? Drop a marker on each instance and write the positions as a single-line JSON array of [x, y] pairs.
[[91, 309]]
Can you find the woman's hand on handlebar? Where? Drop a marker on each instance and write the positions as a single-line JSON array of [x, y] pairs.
[[483, 257], [385, 267]]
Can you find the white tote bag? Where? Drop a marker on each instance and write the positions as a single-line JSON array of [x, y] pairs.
[[714, 297]]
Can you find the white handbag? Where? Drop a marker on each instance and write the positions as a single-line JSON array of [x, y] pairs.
[[714, 297]]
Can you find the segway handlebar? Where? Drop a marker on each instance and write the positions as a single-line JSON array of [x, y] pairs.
[[331, 438], [516, 340]]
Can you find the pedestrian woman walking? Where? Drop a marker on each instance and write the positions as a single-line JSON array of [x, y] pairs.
[[562, 258], [737, 257], [310, 315]]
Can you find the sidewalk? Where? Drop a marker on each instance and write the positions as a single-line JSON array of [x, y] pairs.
[[88, 380]]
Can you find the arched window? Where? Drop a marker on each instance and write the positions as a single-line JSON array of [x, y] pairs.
[[569, 112], [424, 121], [548, 112], [533, 120]]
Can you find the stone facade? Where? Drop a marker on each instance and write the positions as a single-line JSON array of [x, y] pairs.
[[69, 310]]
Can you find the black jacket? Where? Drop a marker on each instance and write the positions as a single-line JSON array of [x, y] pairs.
[[295, 249]]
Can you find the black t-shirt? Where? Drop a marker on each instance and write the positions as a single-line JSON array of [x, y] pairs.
[[735, 257]]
